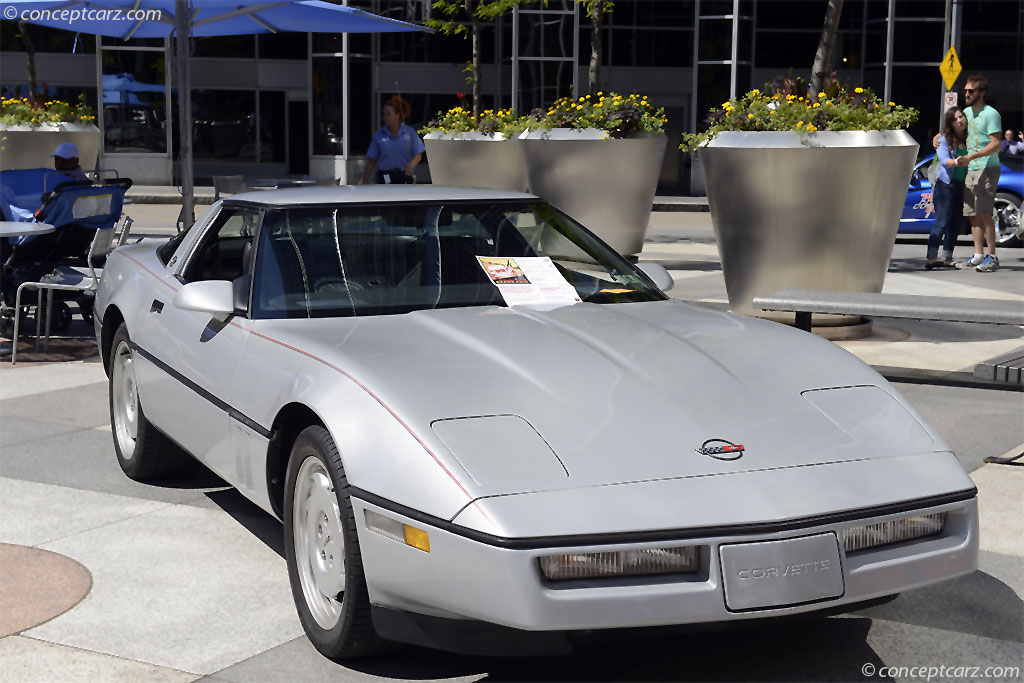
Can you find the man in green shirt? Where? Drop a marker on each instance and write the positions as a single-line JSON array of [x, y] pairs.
[[984, 126]]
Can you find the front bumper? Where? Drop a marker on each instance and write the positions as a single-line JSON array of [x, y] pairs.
[[466, 578]]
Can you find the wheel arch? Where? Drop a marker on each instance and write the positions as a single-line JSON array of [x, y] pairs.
[[289, 421], [112, 320]]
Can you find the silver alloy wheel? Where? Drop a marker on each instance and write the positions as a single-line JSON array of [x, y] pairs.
[[319, 542], [1007, 218], [125, 400]]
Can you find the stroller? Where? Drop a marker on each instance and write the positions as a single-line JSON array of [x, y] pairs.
[[77, 209]]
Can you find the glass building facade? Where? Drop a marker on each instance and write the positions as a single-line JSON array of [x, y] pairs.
[[278, 104]]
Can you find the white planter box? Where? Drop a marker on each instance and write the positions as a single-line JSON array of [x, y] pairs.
[[805, 211], [26, 147]]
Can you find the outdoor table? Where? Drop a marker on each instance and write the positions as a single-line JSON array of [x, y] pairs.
[[16, 229]]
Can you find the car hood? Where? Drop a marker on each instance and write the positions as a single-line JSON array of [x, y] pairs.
[[526, 400]]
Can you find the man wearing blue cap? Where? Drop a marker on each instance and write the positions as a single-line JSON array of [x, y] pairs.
[[65, 160]]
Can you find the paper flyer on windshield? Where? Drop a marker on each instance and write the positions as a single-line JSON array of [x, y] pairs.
[[528, 281]]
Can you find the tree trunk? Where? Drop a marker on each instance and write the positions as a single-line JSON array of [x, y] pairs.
[[596, 19], [823, 57], [477, 108], [30, 58]]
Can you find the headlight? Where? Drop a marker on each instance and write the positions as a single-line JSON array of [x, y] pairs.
[[871, 535], [575, 566]]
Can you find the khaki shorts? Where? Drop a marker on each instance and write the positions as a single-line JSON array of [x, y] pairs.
[[980, 191]]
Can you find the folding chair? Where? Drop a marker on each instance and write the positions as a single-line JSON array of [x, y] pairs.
[[65, 278], [229, 185]]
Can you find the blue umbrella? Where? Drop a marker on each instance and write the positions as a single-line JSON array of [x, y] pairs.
[[198, 18], [206, 17]]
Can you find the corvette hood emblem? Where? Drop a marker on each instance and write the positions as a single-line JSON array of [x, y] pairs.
[[720, 449]]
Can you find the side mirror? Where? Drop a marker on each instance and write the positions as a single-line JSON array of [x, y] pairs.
[[216, 297], [659, 276]]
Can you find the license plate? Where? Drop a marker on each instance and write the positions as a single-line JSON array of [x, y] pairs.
[[781, 573]]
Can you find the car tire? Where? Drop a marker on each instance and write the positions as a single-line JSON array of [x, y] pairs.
[[144, 453], [325, 567], [1008, 219]]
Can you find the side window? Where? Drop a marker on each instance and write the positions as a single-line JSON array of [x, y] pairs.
[[222, 252]]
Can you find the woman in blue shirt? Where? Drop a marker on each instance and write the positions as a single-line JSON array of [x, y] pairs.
[[396, 149], [948, 193]]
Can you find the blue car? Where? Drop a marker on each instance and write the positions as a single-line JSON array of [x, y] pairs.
[[919, 213]]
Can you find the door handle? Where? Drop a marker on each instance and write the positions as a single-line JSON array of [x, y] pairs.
[[156, 306]]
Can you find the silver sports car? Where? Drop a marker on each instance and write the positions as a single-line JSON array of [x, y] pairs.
[[483, 429]]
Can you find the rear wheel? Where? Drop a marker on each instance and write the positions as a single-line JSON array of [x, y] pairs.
[[324, 564], [143, 452], [1007, 215]]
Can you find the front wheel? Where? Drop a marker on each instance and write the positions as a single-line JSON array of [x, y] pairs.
[[325, 567], [143, 453], [1007, 216]]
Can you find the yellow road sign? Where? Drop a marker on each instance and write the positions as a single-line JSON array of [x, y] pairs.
[[950, 68]]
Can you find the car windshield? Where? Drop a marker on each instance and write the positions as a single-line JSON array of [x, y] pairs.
[[356, 260]]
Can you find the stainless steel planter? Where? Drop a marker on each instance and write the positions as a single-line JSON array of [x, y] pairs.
[[813, 211], [607, 185], [476, 162]]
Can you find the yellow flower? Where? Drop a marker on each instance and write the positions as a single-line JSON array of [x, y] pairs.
[[811, 127], [799, 123], [816, 105], [750, 116], [755, 92], [892, 104], [858, 90]]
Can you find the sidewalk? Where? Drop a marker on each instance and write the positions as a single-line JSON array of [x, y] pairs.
[[103, 578]]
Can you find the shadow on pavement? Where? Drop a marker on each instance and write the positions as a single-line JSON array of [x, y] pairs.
[[260, 524], [978, 604], [804, 650]]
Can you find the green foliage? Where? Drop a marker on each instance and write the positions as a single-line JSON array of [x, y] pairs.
[[588, 6], [833, 109], [453, 11], [26, 112]]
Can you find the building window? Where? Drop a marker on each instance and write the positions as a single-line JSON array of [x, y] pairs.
[[134, 101], [224, 125], [328, 105], [283, 46], [239, 47], [44, 39], [273, 132]]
